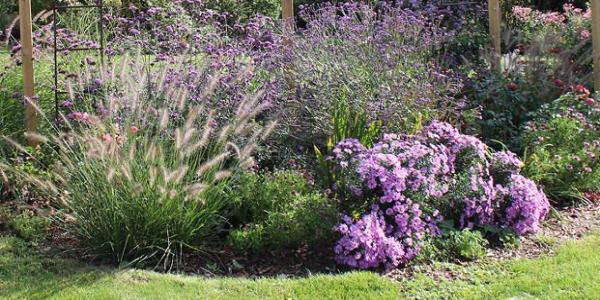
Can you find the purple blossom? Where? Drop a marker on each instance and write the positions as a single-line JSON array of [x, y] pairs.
[[437, 168], [526, 205]]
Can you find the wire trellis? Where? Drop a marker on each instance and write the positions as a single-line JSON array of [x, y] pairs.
[[99, 6]]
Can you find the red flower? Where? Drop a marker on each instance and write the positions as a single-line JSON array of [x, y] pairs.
[[590, 101], [512, 86], [559, 83], [582, 90]]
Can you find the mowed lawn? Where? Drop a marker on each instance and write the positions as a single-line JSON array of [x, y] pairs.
[[574, 273]]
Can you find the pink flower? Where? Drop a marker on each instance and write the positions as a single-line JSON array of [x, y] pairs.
[[585, 34], [107, 137], [582, 89], [522, 13], [553, 18], [590, 101], [134, 129]]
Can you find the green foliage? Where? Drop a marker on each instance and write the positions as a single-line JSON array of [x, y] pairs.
[[544, 60], [18, 185], [245, 9], [510, 239], [348, 122], [12, 112], [11, 109], [563, 151], [468, 244], [508, 102], [455, 244], [278, 211], [237, 9], [351, 122], [29, 227], [5, 216]]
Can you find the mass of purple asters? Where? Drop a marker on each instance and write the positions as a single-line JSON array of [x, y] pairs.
[[392, 237], [436, 170], [526, 205]]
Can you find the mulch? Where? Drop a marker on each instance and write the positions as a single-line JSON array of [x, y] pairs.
[[565, 224]]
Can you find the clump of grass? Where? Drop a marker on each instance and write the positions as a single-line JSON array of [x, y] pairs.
[[140, 180]]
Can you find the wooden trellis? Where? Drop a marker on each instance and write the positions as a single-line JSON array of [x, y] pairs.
[[495, 21]]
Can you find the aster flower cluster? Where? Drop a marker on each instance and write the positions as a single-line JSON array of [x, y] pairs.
[[391, 238], [420, 179], [527, 205], [505, 164]]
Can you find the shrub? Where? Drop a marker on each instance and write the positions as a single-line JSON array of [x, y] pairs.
[[547, 53], [29, 227], [378, 64], [563, 149], [141, 178], [407, 178], [278, 211]]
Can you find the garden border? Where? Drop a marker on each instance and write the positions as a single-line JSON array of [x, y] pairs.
[[495, 29]]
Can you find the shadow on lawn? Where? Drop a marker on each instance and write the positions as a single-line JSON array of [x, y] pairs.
[[28, 275]]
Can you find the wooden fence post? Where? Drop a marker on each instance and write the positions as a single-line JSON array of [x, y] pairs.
[[288, 22], [28, 78], [287, 15], [495, 15], [596, 42], [287, 10]]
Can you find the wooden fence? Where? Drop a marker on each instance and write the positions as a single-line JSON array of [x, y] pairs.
[[495, 21]]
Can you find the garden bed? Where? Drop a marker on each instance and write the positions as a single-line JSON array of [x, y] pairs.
[[222, 143]]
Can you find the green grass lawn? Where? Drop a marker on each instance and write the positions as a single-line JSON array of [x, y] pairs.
[[573, 273]]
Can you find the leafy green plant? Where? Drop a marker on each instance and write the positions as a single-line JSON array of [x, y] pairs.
[[347, 122], [455, 244], [563, 148], [545, 58], [278, 211], [29, 227], [467, 244], [17, 184]]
